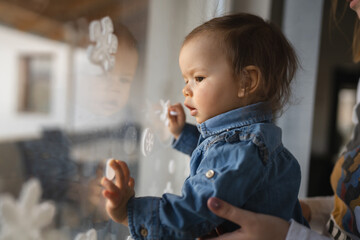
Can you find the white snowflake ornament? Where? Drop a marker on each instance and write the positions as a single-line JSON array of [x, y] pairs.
[[164, 111], [102, 53], [163, 114], [25, 219], [109, 171], [168, 188], [89, 235], [171, 167], [147, 142]]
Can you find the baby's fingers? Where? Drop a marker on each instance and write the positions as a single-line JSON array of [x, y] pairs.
[[126, 174], [122, 173], [120, 178], [176, 111], [125, 170], [111, 191], [114, 198], [131, 182], [109, 185]]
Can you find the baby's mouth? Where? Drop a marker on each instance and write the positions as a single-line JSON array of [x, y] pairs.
[[193, 111]]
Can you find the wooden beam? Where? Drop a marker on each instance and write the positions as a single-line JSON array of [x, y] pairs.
[[28, 21]]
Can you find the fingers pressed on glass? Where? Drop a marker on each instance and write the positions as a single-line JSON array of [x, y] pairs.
[[109, 185], [131, 182], [125, 170], [119, 180], [112, 197]]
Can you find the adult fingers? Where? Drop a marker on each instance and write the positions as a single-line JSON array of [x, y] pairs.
[[229, 212], [230, 236]]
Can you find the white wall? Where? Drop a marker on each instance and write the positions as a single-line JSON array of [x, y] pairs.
[[14, 125], [258, 7]]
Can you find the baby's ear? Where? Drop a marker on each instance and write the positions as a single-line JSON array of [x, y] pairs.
[[249, 80]]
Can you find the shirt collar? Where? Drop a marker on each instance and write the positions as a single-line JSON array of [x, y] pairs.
[[258, 112]]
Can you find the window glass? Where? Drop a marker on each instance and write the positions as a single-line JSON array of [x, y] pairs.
[[83, 82], [72, 78]]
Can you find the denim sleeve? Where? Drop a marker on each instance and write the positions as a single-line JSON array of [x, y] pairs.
[[187, 140], [235, 177]]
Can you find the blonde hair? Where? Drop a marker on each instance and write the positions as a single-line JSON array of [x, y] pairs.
[[356, 34]]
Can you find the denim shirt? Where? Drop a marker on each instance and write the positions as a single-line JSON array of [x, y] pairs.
[[236, 156]]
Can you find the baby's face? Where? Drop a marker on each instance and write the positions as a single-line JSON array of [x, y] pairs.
[[210, 85], [110, 93]]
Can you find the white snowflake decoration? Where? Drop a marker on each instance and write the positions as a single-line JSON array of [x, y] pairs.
[[89, 235], [109, 171], [171, 166], [101, 32], [168, 188], [25, 219], [147, 142], [164, 111]]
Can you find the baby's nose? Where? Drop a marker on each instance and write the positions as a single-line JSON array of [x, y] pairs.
[[186, 91]]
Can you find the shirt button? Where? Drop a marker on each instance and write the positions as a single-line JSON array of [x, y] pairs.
[[210, 174], [143, 232]]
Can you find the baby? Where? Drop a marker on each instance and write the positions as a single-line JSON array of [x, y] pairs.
[[237, 71]]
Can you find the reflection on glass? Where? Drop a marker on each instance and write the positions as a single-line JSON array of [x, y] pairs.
[[88, 119], [106, 93], [34, 83]]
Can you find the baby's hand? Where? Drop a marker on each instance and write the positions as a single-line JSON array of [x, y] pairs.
[[176, 121], [118, 194]]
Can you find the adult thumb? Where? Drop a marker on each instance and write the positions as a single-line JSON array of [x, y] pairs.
[[228, 211]]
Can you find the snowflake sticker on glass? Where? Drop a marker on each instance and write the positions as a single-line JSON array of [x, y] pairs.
[[168, 188], [164, 111], [106, 43], [147, 142], [89, 235], [26, 218]]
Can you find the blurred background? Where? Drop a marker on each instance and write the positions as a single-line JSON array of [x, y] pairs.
[[63, 114]]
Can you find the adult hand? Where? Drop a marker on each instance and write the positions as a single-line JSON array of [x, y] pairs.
[[118, 194], [306, 210], [254, 226]]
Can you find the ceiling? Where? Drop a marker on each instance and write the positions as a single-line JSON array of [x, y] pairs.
[[57, 19]]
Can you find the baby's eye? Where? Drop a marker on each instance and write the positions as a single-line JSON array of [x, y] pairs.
[[199, 79]]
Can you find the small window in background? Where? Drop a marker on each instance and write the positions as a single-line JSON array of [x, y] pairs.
[[35, 83]]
